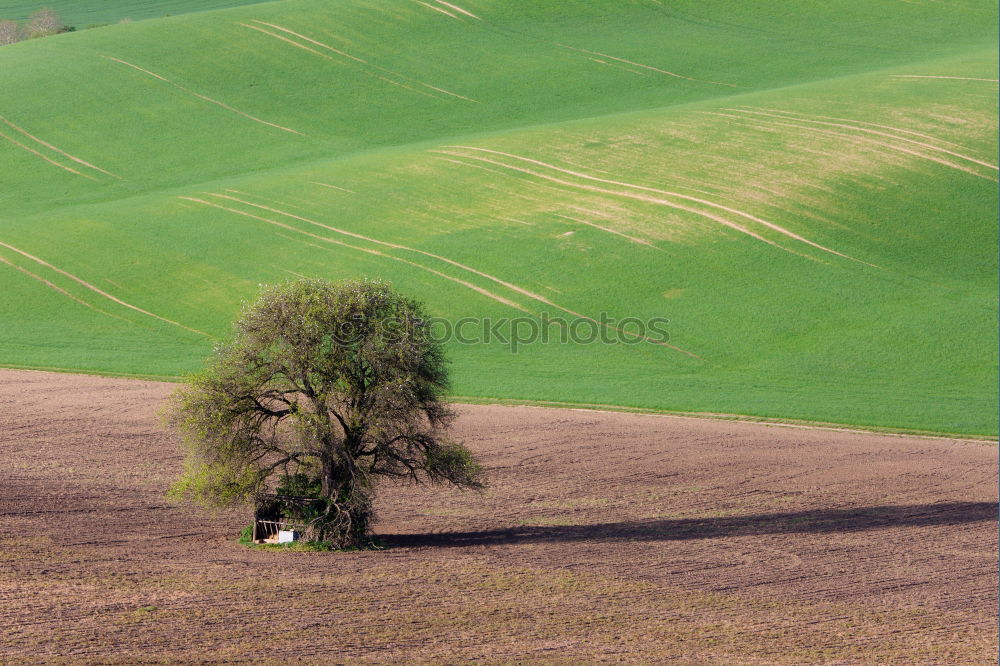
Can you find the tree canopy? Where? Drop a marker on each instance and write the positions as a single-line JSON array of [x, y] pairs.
[[322, 386]]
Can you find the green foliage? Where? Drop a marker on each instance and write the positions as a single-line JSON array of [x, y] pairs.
[[322, 389], [299, 485], [455, 464], [908, 341], [246, 535]]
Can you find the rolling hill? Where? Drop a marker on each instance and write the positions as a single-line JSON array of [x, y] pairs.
[[806, 194], [83, 14]]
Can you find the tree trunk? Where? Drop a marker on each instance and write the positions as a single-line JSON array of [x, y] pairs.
[[327, 488], [349, 511]]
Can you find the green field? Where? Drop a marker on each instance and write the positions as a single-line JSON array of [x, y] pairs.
[[83, 14], [806, 192]]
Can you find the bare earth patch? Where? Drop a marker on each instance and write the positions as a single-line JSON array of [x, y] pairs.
[[604, 537]]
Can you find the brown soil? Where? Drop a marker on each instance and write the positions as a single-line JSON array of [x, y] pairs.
[[604, 537]]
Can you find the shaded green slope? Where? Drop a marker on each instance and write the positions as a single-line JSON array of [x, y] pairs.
[[821, 250], [86, 13]]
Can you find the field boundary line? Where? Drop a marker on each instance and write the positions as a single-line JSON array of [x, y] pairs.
[[931, 76], [167, 379], [590, 407], [721, 416]]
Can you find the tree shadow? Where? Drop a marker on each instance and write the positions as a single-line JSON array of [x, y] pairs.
[[802, 522]]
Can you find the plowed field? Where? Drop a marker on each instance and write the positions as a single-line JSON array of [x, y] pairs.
[[603, 537]]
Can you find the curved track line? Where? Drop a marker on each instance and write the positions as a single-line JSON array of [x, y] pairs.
[[396, 246], [859, 139], [101, 291], [956, 78], [355, 58], [285, 39], [512, 287], [629, 195], [310, 40], [632, 239], [323, 55], [519, 35], [458, 9], [500, 172], [678, 195], [61, 152], [50, 161], [59, 289], [649, 67], [204, 97], [617, 66], [332, 187], [861, 122], [567, 217], [448, 92], [438, 9], [480, 290], [871, 131]]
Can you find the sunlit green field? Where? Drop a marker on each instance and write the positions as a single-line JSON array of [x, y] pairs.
[[806, 193]]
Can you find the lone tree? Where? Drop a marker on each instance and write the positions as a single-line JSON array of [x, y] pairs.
[[325, 388], [43, 23], [10, 33]]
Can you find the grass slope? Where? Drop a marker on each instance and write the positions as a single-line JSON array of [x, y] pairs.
[[88, 13], [793, 188]]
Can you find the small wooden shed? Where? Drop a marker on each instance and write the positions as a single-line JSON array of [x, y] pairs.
[[282, 513]]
